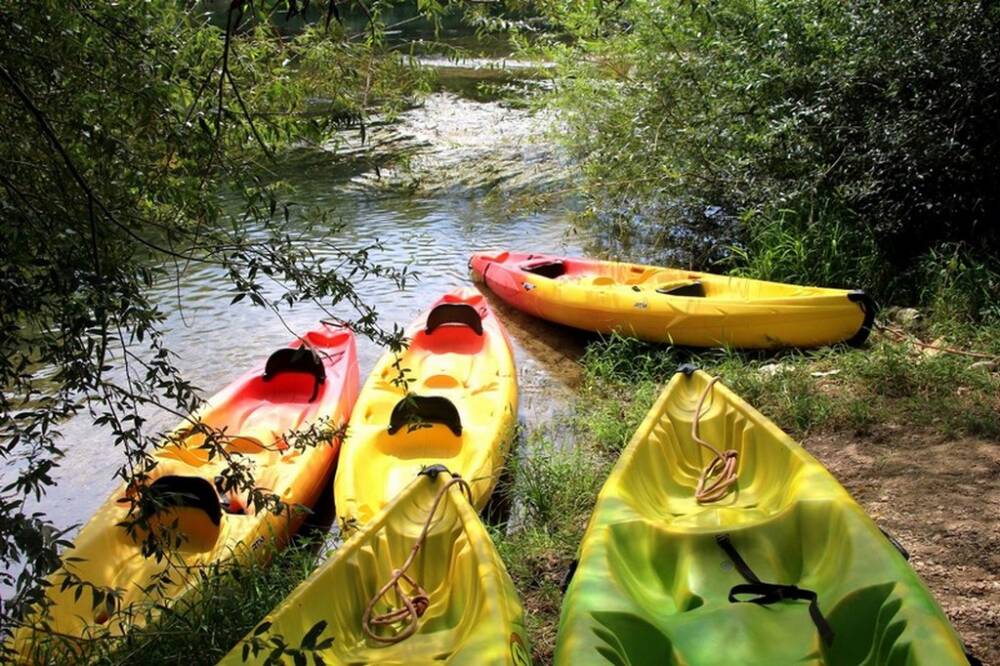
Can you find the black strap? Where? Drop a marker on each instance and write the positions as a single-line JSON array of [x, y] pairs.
[[895, 542], [301, 359], [417, 410], [432, 471], [568, 576], [770, 593], [455, 313]]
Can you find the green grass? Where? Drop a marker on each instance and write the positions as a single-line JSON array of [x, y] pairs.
[[201, 631]]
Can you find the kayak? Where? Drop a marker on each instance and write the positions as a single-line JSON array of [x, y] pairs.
[[465, 609], [309, 387], [777, 565], [457, 406], [675, 306]]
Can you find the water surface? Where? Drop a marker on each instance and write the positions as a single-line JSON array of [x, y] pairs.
[[467, 163]]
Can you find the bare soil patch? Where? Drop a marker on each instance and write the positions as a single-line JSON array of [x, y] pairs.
[[940, 497]]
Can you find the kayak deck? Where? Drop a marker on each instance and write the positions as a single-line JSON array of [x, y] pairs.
[[653, 583], [473, 615], [205, 523], [457, 407], [675, 306]]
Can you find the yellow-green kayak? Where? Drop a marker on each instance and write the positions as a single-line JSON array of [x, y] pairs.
[[472, 614], [784, 568]]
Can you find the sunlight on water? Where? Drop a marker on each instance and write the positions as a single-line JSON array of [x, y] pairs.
[[433, 235]]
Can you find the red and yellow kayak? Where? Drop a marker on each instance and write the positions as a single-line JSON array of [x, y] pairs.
[[673, 305], [312, 384], [449, 398]]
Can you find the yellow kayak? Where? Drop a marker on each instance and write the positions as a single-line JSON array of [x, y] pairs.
[[457, 407], [774, 564], [313, 383], [465, 608], [675, 306]]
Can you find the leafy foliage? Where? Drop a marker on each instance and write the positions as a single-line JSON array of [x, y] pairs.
[[120, 125], [868, 126]]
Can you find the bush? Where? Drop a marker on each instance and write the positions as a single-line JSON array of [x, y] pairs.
[[881, 114]]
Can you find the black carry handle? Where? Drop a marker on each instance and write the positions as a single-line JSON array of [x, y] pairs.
[[869, 309], [770, 593], [301, 359], [454, 313], [425, 409]]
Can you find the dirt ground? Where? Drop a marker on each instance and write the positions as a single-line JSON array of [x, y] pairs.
[[940, 498]]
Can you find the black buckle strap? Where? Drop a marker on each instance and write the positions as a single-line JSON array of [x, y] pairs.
[[770, 593]]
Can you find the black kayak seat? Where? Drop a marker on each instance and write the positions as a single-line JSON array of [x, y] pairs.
[[187, 491], [454, 313], [301, 359], [415, 411], [692, 289]]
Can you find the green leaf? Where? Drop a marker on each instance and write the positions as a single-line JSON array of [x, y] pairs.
[[309, 640]]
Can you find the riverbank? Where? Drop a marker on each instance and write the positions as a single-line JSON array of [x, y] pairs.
[[911, 430], [914, 436]]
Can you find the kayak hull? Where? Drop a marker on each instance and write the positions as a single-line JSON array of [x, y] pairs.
[[653, 584], [680, 307], [466, 363], [255, 412], [473, 617]]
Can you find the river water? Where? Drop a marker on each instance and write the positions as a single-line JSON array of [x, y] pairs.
[[470, 165]]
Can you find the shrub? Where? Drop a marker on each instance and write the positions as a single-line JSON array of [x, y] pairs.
[[879, 114]]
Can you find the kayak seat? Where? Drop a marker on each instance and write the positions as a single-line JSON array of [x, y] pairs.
[[454, 313], [192, 491], [302, 360], [649, 645], [547, 268], [692, 289], [450, 340], [419, 411], [869, 616], [184, 507]]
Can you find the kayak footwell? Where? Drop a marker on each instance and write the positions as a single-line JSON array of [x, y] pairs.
[[655, 584]]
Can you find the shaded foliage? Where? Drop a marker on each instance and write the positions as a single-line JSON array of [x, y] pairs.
[[872, 121], [119, 125]]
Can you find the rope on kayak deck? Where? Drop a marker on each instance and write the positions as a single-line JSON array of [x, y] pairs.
[[414, 604], [719, 475]]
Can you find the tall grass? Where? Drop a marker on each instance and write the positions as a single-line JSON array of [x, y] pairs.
[[812, 248], [204, 628]]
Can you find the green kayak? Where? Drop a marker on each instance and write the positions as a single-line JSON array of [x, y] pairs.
[[781, 567]]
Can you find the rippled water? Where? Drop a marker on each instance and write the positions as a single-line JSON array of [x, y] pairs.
[[457, 148]]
